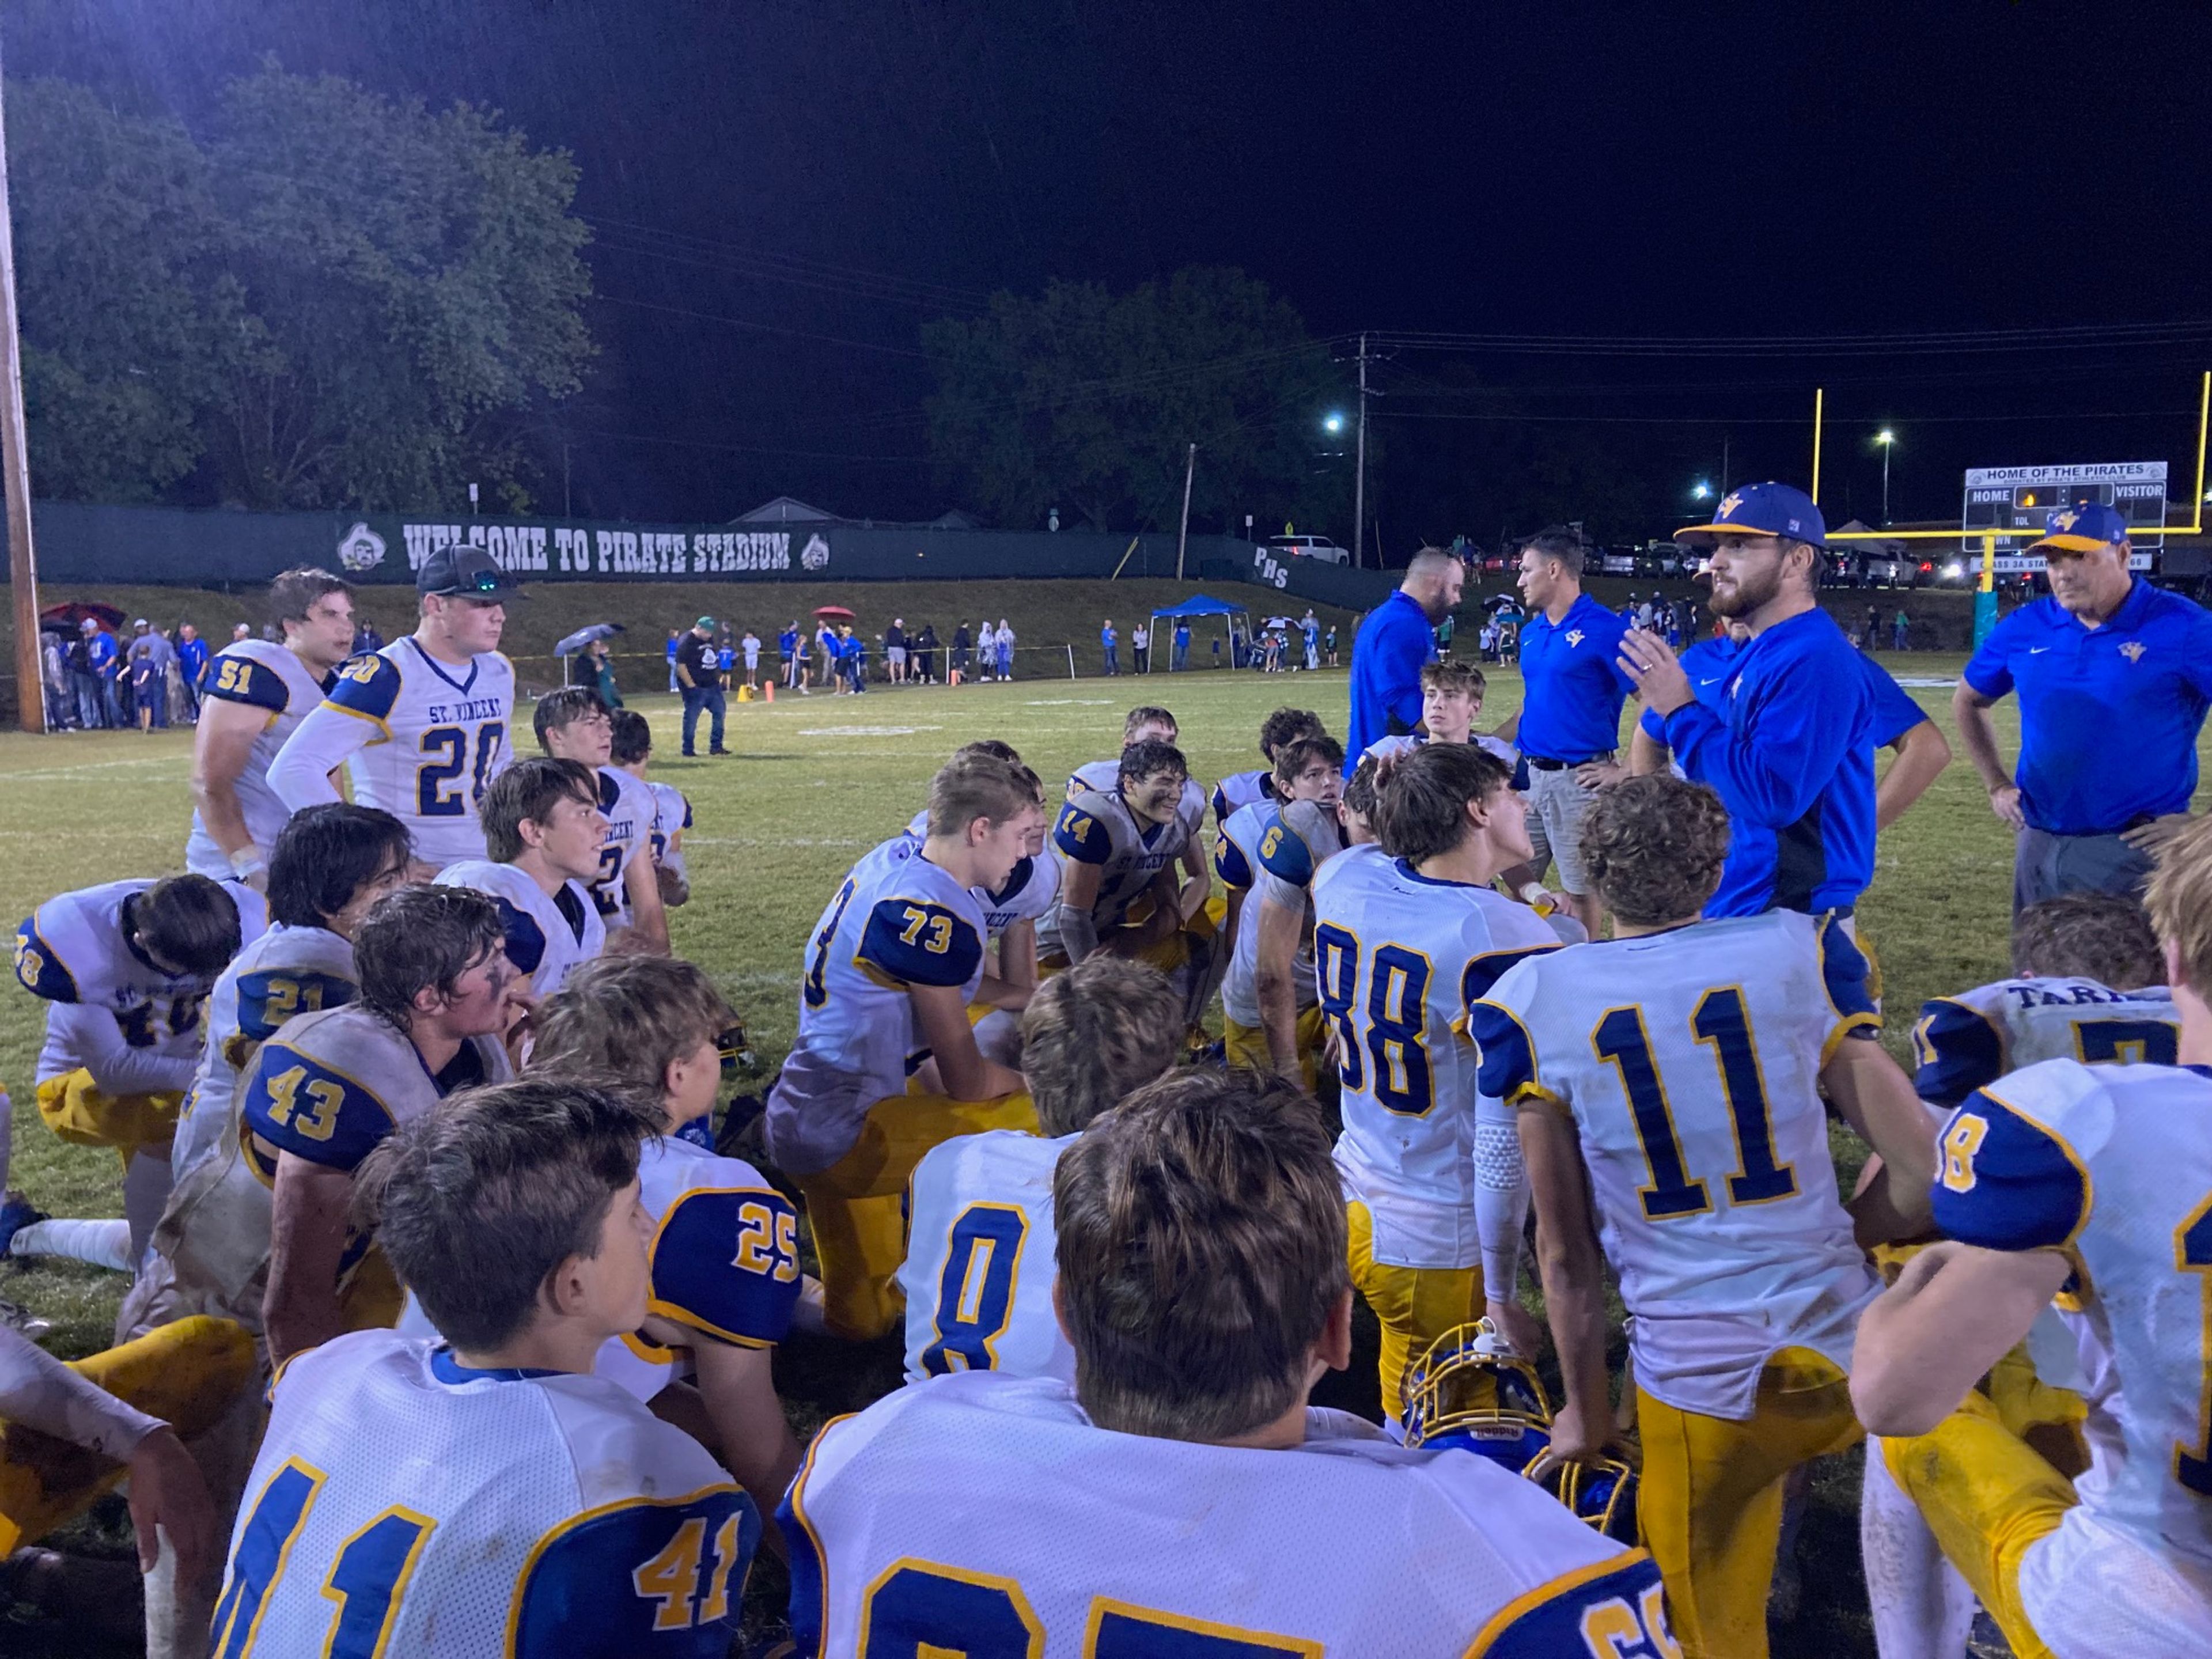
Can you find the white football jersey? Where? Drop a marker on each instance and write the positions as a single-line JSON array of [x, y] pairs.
[[1241, 789], [287, 971], [672, 816], [1965, 1042], [422, 738], [76, 950], [1398, 956], [1099, 830], [1029, 894], [2113, 1165], [548, 934], [628, 803], [404, 1505], [1105, 777], [896, 920], [1236, 863], [263, 675], [1690, 1060], [1046, 1534], [978, 1263]]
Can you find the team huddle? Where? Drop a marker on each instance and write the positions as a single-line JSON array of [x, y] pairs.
[[449, 1300]]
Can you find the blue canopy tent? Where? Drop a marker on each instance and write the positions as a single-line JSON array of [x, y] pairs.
[[1204, 605]]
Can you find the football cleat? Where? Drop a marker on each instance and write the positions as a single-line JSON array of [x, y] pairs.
[[1470, 1390], [1602, 1493]]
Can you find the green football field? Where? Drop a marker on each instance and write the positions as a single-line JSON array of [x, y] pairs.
[[812, 783]]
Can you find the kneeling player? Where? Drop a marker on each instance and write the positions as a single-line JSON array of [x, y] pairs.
[[1669, 1083], [978, 1273], [1149, 724], [576, 725], [1166, 1501], [632, 752], [1402, 940], [1270, 1018], [886, 1065], [545, 832], [491, 1498], [2093, 1185], [1241, 789]]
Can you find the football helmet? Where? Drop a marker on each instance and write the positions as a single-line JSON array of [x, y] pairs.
[[1471, 1390], [1602, 1493]]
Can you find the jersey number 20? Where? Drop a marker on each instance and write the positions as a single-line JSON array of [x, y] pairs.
[[450, 744]]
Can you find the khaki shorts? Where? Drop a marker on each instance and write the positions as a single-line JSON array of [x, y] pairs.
[[1557, 804]]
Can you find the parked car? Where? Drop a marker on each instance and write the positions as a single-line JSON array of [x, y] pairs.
[[1308, 547]]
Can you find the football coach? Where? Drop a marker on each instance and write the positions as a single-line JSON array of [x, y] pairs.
[[2114, 676], [1789, 749], [1398, 637]]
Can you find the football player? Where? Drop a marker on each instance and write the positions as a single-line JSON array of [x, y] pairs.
[[328, 1086], [1202, 1286], [1147, 724], [2090, 1184], [329, 867], [1403, 939], [1451, 698], [981, 1205], [253, 695], [423, 724], [492, 1496], [124, 968], [1242, 788], [545, 832], [1266, 855], [1899, 723], [886, 1065], [632, 752], [1669, 1086], [574, 725]]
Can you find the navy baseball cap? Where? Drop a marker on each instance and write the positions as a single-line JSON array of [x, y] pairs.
[[2089, 528], [1760, 509], [465, 572]]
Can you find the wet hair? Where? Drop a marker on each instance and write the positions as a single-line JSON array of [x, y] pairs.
[[991, 747], [326, 854], [633, 738], [564, 707], [1295, 755], [189, 922], [1093, 1034], [979, 786], [1654, 848], [421, 938], [1421, 797], [2106, 936], [624, 1020], [1147, 715], [1359, 787], [528, 791], [478, 1202], [1201, 1253], [1142, 760], [1284, 724], [294, 593]]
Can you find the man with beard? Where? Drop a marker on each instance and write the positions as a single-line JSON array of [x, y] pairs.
[[1788, 748], [1397, 638]]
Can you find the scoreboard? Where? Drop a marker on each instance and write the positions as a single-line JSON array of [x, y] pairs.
[[2013, 501]]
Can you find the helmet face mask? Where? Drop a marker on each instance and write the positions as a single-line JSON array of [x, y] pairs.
[[1471, 1391]]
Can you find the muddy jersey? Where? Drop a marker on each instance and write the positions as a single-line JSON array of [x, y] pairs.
[[1100, 831], [1967, 1041]]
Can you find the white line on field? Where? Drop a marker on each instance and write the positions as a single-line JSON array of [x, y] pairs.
[[865, 731], [182, 762], [691, 842]]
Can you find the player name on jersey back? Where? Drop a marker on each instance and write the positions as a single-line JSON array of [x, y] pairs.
[[1965, 1042]]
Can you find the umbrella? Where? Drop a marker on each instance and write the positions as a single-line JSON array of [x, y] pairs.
[[584, 636], [73, 614], [826, 611]]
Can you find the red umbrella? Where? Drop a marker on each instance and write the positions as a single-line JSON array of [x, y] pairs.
[[73, 614], [828, 610]]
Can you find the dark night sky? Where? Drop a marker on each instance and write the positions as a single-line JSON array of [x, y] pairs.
[[1574, 170]]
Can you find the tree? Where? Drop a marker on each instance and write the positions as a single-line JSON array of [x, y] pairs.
[[336, 300], [1087, 399]]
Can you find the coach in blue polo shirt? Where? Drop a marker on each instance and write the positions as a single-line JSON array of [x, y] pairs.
[[1789, 749], [2114, 676], [1571, 707], [1398, 637]]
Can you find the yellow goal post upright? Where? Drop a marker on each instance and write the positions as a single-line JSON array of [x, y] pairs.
[[1985, 598]]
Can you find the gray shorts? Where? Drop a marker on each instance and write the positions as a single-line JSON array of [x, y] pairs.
[[2046, 866], [1557, 804]]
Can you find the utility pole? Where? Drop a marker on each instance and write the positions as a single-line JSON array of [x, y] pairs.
[[22, 565], [1359, 474], [1183, 534]]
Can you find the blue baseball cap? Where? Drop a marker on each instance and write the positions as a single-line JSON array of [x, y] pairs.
[[2089, 528], [1760, 509]]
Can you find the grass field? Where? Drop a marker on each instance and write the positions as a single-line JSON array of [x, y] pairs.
[[814, 783]]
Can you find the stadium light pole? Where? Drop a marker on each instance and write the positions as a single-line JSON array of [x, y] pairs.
[[23, 567], [1359, 474], [1887, 440]]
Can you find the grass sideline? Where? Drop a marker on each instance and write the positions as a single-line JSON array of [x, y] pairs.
[[813, 783]]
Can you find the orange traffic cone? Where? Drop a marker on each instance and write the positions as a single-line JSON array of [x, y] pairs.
[[769, 686]]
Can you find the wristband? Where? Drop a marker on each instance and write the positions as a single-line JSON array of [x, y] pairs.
[[247, 863]]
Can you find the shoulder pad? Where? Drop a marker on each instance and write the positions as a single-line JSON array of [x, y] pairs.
[[1615, 1606], [1284, 855], [367, 685], [37, 969], [726, 1261], [2005, 1180], [268, 998], [644, 1575], [299, 1105], [237, 677], [911, 941], [1081, 835]]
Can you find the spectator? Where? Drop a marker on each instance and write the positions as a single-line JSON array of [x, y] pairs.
[[987, 650], [675, 643], [244, 631], [1140, 649], [1329, 645], [1181, 659], [1106, 641], [699, 676], [960, 649], [798, 660], [1900, 630], [84, 676], [151, 654], [1310, 630], [191, 662], [787, 648], [61, 702], [1445, 629], [593, 667], [825, 649], [725, 654], [1873, 629], [1005, 649], [366, 638], [851, 660], [894, 649], [106, 661], [924, 653], [1216, 650], [750, 646]]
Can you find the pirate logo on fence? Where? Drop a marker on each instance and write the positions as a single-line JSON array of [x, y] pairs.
[[815, 554], [362, 548]]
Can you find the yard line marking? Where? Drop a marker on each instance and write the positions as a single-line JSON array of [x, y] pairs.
[[865, 731]]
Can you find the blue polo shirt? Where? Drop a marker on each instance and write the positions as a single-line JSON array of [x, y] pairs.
[[1571, 709], [1788, 745], [1387, 655], [1894, 712], [2108, 716]]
